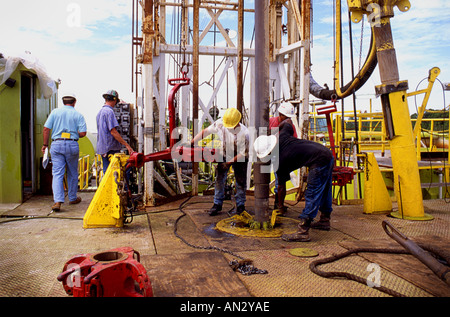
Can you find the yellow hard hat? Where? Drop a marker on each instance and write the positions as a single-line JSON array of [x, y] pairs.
[[231, 118]]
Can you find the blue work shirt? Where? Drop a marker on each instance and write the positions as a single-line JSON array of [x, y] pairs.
[[106, 121], [66, 120]]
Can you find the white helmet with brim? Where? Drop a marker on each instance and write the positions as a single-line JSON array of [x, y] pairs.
[[264, 145]]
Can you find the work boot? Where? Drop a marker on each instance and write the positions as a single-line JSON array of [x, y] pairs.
[[76, 201], [56, 206], [215, 209], [301, 235], [240, 209], [282, 210], [323, 223]]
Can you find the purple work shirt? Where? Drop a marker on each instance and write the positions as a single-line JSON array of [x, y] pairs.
[[106, 121]]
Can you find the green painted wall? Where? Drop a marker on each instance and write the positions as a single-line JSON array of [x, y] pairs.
[[10, 136]]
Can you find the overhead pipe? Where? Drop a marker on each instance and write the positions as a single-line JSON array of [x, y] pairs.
[[357, 82]]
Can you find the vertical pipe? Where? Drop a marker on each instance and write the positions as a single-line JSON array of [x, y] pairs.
[[304, 115], [132, 47], [354, 104], [148, 131], [240, 58], [195, 80], [148, 97], [261, 105], [305, 78]]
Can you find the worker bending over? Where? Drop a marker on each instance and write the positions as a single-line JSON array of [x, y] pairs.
[[234, 137], [293, 154]]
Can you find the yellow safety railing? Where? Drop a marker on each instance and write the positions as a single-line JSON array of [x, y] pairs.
[[372, 137], [370, 127], [434, 138], [372, 132], [83, 172]]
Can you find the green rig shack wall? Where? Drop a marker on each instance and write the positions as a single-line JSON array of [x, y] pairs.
[[27, 97]]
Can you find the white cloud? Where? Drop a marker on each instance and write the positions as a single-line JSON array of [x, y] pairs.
[[96, 55], [87, 64]]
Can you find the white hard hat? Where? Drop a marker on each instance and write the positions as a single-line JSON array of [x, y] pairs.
[[264, 145], [70, 95], [287, 109]]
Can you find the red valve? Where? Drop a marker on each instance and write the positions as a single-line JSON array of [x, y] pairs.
[[114, 273]]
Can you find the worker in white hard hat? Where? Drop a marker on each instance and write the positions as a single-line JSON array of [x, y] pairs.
[[285, 111], [66, 126], [295, 153], [234, 137]]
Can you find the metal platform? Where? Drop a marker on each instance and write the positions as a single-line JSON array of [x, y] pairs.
[[34, 250]]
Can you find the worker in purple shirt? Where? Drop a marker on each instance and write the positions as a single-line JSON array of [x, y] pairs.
[[109, 140]]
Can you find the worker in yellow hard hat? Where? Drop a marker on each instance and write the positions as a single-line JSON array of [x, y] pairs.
[[234, 137]]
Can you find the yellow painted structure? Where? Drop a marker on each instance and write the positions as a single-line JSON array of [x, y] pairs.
[[376, 195], [406, 170], [105, 210], [395, 106]]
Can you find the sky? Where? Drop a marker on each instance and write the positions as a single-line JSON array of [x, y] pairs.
[[87, 45]]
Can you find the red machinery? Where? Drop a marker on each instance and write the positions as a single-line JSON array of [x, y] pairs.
[[186, 154], [342, 175], [327, 110], [114, 273]]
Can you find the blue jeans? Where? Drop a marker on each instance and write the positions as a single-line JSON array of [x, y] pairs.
[[65, 156], [240, 174], [105, 160], [318, 193]]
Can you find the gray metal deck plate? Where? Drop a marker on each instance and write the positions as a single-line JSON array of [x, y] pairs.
[[33, 252]]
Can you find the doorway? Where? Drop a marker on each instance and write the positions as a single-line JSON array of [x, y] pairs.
[[27, 115]]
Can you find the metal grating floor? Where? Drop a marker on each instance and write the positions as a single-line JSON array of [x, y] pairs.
[[33, 251]]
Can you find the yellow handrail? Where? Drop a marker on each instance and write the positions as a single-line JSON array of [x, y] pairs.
[[371, 131], [83, 172]]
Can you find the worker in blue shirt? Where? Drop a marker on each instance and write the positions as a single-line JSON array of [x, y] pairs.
[[66, 126], [109, 140]]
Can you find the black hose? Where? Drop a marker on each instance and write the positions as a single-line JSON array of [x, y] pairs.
[[328, 94]]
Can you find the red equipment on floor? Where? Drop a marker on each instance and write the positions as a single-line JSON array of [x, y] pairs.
[[114, 273]]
